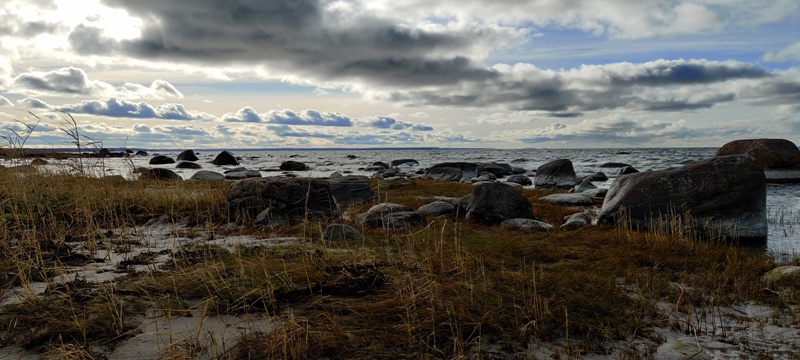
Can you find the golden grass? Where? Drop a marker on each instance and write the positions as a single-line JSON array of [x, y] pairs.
[[449, 289]]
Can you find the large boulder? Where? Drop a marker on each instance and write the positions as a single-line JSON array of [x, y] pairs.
[[187, 165], [391, 216], [469, 170], [159, 174], [351, 189], [770, 153], [555, 174], [207, 175], [724, 195], [491, 203], [399, 162], [443, 173], [298, 199], [161, 160], [187, 155], [225, 158], [292, 165]]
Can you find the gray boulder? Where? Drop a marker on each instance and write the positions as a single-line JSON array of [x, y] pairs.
[[577, 221], [187, 165], [351, 189], [494, 202], [520, 179], [161, 160], [598, 176], [159, 174], [292, 165], [341, 232], [225, 158], [392, 216], [585, 184], [724, 195], [567, 199], [625, 170], [404, 162], [526, 225], [517, 170], [207, 175], [596, 193], [296, 198], [498, 170], [443, 174], [242, 174], [187, 155], [555, 174], [272, 218], [437, 208]]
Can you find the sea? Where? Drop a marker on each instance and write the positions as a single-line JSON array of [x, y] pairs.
[[783, 200]]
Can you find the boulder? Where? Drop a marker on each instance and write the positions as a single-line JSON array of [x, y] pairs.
[[526, 225], [187, 155], [625, 170], [567, 199], [351, 189], [781, 272], [585, 184], [598, 176], [770, 153], [141, 153], [555, 174], [187, 165], [292, 165], [272, 218], [577, 221], [437, 208], [207, 175], [517, 170], [404, 161], [494, 202], [225, 158], [243, 174], [724, 195], [380, 165], [443, 174], [469, 170], [596, 193], [613, 165], [341, 232], [498, 170], [39, 162], [161, 160], [159, 174], [391, 216], [520, 179], [297, 198], [386, 173]]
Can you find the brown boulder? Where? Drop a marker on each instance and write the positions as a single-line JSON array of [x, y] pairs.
[[770, 153]]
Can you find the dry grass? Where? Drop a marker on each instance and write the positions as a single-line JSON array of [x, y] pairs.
[[450, 289]]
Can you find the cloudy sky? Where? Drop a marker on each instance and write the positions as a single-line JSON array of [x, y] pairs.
[[401, 73]]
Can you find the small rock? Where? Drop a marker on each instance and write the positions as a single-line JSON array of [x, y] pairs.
[[392, 216], [577, 221], [526, 225], [520, 179], [627, 170], [341, 232], [567, 199], [404, 161], [187, 165], [207, 175], [437, 208], [780, 272]]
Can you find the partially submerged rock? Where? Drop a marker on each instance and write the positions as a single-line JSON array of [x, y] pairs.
[[161, 160], [724, 196], [292, 165], [187, 155], [225, 158]]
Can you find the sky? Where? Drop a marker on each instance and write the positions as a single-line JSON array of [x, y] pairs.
[[235, 74]]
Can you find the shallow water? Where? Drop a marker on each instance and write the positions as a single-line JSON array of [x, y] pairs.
[[783, 205]]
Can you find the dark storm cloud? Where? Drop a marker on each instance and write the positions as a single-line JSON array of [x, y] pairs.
[[66, 80], [296, 36], [18, 26]]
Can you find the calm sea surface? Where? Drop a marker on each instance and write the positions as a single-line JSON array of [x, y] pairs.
[[782, 201]]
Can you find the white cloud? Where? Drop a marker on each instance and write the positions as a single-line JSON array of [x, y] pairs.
[[790, 53], [288, 117], [4, 102], [75, 81]]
